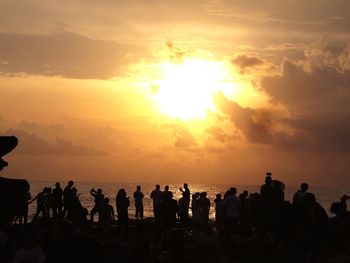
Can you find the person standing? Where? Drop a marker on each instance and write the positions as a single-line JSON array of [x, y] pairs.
[[186, 195], [219, 210], [99, 200], [40, 204], [232, 206], [156, 196], [68, 197], [122, 203], [138, 196], [57, 194]]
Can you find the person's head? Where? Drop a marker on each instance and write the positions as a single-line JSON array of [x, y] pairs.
[[57, 185], [336, 208], [99, 191], [157, 186], [185, 185], [166, 188], [121, 193], [218, 196], [304, 187], [245, 193], [203, 195], [49, 189], [138, 188], [268, 178], [106, 200], [233, 190], [70, 183]]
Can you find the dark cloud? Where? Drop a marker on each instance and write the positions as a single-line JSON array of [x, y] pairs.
[[63, 54], [253, 124], [316, 92], [244, 62], [31, 144]]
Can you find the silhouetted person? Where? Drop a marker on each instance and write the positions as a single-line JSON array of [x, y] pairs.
[[244, 209], [254, 208], [219, 210], [22, 216], [138, 196], [311, 231], [167, 194], [122, 204], [40, 204], [77, 213], [299, 196], [67, 198], [107, 213], [156, 196], [272, 201], [98, 199], [57, 195], [170, 210], [7, 144], [203, 208], [186, 193], [264, 189], [232, 206], [342, 215], [48, 201], [194, 206], [343, 200], [183, 209]]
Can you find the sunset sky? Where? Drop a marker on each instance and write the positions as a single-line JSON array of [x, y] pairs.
[[209, 91]]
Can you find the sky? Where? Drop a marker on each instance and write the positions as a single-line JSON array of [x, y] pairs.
[[210, 91]]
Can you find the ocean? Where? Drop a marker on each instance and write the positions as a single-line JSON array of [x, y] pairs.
[[325, 196]]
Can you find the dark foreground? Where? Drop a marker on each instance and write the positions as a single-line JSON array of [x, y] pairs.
[[142, 241]]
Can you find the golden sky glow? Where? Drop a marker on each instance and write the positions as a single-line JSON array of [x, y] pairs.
[[172, 91], [185, 90]]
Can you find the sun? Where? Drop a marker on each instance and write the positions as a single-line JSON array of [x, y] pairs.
[[185, 90]]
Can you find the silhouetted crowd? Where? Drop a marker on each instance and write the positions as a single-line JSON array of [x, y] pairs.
[[248, 227]]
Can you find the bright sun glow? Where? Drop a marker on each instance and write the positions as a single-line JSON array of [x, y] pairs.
[[186, 90]]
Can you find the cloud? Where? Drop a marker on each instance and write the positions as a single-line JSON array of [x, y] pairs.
[[252, 123], [316, 92], [244, 62], [31, 144], [220, 135], [63, 54], [181, 135], [44, 131]]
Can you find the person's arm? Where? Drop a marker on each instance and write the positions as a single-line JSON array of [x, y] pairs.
[[35, 198], [93, 193]]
